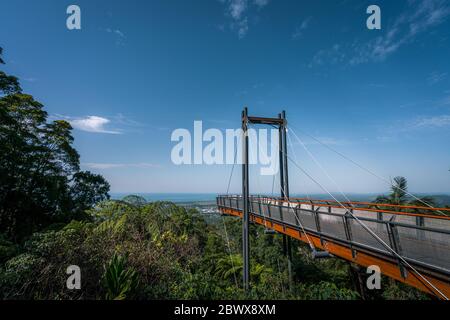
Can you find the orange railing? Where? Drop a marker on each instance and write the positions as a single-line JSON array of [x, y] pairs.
[[436, 213]]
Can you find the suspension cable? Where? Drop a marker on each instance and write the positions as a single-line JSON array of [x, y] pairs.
[[259, 186], [371, 232], [295, 157], [370, 171], [324, 171], [225, 226], [319, 165], [273, 183], [311, 244]]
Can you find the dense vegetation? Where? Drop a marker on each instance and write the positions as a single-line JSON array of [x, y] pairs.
[[52, 215], [40, 178], [162, 251]]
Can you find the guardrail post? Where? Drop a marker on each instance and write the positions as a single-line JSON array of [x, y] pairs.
[[380, 218], [348, 232], [297, 215], [395, 245], [261, 213], [420, 222], [317, 220]]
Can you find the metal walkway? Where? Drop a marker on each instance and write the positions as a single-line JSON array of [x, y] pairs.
[[415, 233]]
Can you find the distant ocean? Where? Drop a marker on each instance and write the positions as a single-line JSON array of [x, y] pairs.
[[441, 199], [172, 197], [199, 197]]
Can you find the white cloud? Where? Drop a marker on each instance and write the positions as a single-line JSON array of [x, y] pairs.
[[107, 166], [433, 122], [261, 3], [335, 55], [242, 27], [120, 36], [237, 8], [323, 140], [298, 33], [436, 77], [93, 124], [419, 17], [238, 11]]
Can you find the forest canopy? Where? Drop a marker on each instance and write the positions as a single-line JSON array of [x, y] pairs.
[[40, 179]]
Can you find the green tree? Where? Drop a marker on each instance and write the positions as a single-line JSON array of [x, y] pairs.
[[40, 178], [399, 195], [135, 200]]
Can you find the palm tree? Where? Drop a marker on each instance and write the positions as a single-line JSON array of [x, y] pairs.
[[399, 195], [398, 192]]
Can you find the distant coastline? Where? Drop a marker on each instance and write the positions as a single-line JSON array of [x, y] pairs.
[[441, 198], [172, 197]]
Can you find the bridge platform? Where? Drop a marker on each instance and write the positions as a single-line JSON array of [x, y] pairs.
[[417, 234]]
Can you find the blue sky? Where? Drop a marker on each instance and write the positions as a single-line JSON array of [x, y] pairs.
[[137, 70]]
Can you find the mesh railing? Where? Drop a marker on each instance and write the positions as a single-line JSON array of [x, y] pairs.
[[423, 239]]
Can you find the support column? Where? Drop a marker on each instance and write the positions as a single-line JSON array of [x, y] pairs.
[[280, 151], [245, 196], [358, 276], [284, 182], [285, 158]]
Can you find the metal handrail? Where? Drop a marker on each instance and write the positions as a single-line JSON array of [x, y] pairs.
[[389, 226], [314, 202]]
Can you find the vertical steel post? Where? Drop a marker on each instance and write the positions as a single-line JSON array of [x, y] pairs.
[[284, 164], [245, 196], [285, 158], [280, 150]]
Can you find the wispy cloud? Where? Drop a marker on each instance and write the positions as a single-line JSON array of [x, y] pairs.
[[436, 77], [417, 18], [119, 36], [299, 30], [432, 122], [238, 11], [94, 124], [420, 16], [416, 125], [332, 56], [325, 140], [107, 166], [117, 124], [261, 3]]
